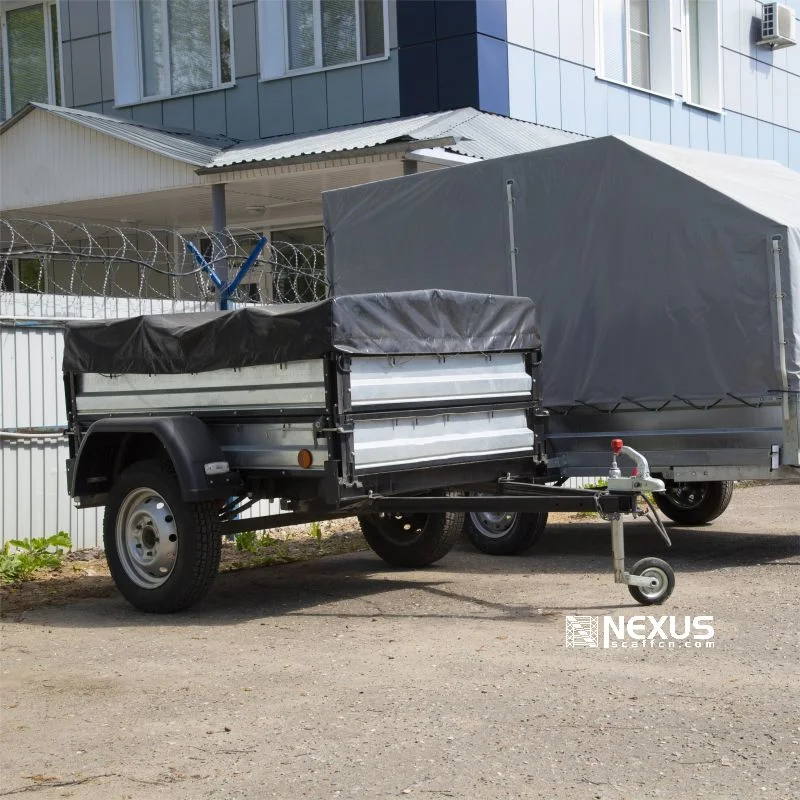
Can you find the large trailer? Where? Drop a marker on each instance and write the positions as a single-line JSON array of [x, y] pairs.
[[667, 286], [405, 409]]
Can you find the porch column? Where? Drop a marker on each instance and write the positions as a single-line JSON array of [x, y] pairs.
[[219, 223]]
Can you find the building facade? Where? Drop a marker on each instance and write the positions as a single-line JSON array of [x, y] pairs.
[[685, 72]]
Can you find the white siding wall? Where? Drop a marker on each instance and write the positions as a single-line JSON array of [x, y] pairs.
[[90, 165]]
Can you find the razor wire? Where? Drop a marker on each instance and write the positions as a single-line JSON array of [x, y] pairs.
[[86, 260]]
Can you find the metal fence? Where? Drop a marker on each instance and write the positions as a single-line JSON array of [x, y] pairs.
[[53, 266], [54, 271]]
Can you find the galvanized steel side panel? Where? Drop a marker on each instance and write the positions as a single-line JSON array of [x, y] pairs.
[[271, 446], [445, 438], [298, 385], [430, 379]]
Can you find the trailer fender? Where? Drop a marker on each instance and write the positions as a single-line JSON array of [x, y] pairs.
[[112, 444]]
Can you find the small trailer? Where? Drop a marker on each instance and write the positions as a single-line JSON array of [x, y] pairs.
[[667, 288], [405, 409]]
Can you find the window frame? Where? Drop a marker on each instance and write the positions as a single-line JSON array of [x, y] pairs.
[[271, 13], [688, 99], [55, 93], [133, 57], [600, 60]]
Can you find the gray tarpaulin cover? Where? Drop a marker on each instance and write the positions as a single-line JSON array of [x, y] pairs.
[[651, 266], [419, 322]]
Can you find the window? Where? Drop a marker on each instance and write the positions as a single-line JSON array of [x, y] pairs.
[[310, 35], [701, 41], [634, 43], [22, 275], [29, 57], [165, 48]]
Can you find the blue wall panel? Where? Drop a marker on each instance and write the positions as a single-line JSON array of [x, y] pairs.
[[457, 69], [548, 91], [416, 22], [275, 107], [660, 120], [749, 137], [764, 91], [521, 83], [766, 140], [419, 82], [619, 110], [493, 74], [240, 110], [83, 19], [455, 18], [794, 150], [86, 83], [381, 99], [309, 102], [491, 18], [596, 104], [345, 100], [150, 114], [179, 113], [781, 145], [748, 86], [640, 115], [698, 129], [733, 134], [716, 133], [679, 125], [573, 114]]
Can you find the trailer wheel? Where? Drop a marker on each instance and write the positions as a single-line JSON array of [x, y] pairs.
[[665, 577], [694, 503], [163, 553], [504, 533], [411, 540]]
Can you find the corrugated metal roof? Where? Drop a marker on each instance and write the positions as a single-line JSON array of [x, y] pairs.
[[476, 134], [187, 146]]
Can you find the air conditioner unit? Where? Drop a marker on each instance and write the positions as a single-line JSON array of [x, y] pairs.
[[778, 26]]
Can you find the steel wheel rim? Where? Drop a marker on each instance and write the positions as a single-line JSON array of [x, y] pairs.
[[403, 528], [660, 576], [493, 524], [147, 538], [687, 495]]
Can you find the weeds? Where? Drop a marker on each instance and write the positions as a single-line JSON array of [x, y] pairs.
[[316, 532], [247, 540], [20, 558]]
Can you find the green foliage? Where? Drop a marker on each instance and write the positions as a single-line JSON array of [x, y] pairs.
[[20, 558], [316, 532], [600, 483], [248, 540]]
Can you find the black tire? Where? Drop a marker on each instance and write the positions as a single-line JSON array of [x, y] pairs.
[[659, 569], [694, 503], [510, 535], [412, 540], [163, 556]]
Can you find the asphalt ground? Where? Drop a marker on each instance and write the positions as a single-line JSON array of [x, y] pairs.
[[342, 677]]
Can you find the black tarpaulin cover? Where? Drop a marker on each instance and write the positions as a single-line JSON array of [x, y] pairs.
[[400, 323], [652, 267]]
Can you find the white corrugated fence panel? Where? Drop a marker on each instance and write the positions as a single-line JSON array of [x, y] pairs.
[[33, 495]]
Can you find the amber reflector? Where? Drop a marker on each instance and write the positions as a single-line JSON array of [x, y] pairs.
[[305, 459]]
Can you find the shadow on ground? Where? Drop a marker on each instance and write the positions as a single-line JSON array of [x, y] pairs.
[[569, 549]]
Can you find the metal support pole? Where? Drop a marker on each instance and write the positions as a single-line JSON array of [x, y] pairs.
[[512, 244], [618, 548], [219, 223]]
